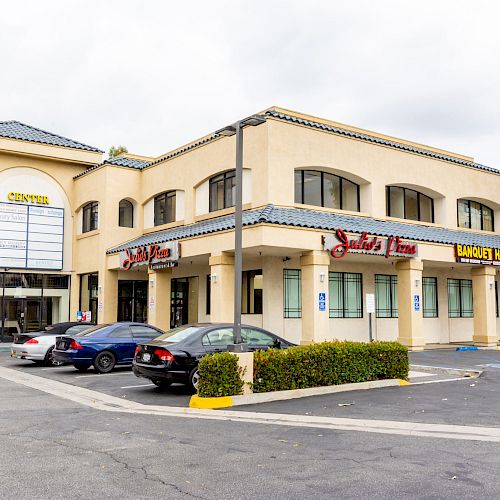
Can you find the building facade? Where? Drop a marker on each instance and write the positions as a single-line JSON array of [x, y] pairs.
[[347, 234]]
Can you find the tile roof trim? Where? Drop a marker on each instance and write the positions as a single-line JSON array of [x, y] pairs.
[[266, 214], [378, 140], [79, 145], [108, 162]]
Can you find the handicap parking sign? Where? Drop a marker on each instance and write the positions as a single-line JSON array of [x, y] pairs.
[[416, 303], [322, 296]]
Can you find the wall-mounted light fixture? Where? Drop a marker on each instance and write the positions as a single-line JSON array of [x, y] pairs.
[[213, 278], [321, 277], [492, 285], [151, 283], [417, 283]]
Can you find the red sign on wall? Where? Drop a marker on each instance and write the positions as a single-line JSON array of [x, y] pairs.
[[339, 245], [155, 256]]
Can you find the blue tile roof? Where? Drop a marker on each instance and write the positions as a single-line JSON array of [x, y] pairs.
[[121, 161], [301, 217], [17, 130], [378, 140]]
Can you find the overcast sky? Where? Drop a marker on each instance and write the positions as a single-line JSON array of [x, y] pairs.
[[153, 75]]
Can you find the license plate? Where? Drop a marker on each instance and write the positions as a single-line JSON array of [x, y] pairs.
[[146, 357], [13, 354]]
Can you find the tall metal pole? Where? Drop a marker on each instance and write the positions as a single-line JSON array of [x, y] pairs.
[[238, 226]]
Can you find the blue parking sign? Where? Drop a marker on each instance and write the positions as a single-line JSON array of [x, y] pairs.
[[322, 296], [416, 303], [322, 305]]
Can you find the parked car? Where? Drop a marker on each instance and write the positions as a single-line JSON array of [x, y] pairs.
[[103, 346], [174, 356], [38, 346]]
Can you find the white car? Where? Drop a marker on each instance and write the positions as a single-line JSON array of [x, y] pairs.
[[39, 348]]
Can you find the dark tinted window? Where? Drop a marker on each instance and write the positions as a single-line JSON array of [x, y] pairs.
[[409, 204], [219, 338], [125, 214], [144, 331], [222, 191], [94, 330], [90, 217], [72, 330], [256, 337], [120, 332], [164, 208]]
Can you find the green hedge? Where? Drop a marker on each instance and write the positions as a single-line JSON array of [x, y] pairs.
[[220, 375], [328, 363]]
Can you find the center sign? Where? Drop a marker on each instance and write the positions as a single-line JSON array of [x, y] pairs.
[[156, 256], [339, 245]]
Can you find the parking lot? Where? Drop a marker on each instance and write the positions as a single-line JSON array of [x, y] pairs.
[[120, 383]]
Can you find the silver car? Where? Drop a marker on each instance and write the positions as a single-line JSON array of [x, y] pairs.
[[39, 348]]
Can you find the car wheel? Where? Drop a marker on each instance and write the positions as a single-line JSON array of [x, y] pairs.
[[162, 384], [81, 368], [194, 378], [49, 359], [104, 362]]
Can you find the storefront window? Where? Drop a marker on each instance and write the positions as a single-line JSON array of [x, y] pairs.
[[429, 297], [90, 216], [409, 204], [125, 214], [291, 293], [474, 215], [132, 300], [251, 292], [345, 295], [164, 208], [326, 190], [386, 296], [222, 191], [88, 294], [460, 298]]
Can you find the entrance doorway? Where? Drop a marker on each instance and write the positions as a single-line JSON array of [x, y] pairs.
[[183, 301], [132, 300], [23, 315]]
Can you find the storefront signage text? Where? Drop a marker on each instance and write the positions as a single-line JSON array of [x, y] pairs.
[[155, 256], [339, 245], [472, 254], [28, 198]]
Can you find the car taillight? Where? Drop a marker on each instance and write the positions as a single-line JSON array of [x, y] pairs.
[[32, 341], [164, 355], [75, 345], [137, 351]]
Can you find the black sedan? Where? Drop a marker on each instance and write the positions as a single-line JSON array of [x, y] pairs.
[[173, 356], [66, 328]]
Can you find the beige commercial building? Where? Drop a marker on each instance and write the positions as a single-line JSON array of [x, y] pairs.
[[343, 227]]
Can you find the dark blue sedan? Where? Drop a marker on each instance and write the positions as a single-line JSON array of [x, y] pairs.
[[103, 346]]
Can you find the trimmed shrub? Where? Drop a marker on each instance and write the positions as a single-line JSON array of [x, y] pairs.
[[220, 375], [328, 363]]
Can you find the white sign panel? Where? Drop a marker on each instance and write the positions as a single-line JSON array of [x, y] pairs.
[[370, 303], [31, 236]]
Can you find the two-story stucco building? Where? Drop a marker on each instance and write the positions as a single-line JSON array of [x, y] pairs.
[[342, 227]]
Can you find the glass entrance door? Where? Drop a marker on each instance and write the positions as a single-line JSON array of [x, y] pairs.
[[21, 316], [179, 302]]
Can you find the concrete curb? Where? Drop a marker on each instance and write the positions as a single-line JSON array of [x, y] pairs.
[[267, 397], [441, 370]]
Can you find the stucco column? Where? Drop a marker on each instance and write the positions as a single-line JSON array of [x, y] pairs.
[[272, 300], [483, 290], [222, 288], [410, 319], [107, 296], [315, 316], [159, 287], [74, 298]]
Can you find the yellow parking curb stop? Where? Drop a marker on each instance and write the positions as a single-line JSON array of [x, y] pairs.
[[404, 382], [210, 403]]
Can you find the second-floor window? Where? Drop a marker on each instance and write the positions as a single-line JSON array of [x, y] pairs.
[[326, 190], [475, 215], [409, 204], [90, 216], [125, 214], [222, 191], [165, 208]]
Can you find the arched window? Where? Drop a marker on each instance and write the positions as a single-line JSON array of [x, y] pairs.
[[474, 215], [409, 204], [90, 216], [165, 208], [125, 214], [222, 191], [326, 190]]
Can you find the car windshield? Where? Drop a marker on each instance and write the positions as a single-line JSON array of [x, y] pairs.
[[91, 331], [178, 334]]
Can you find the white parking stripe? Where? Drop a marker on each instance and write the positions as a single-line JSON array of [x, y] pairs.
[[100, 401], [104, 374], [134, 386]]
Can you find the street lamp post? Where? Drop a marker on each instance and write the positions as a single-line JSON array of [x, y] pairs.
[[237, 129], [2, 332]]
